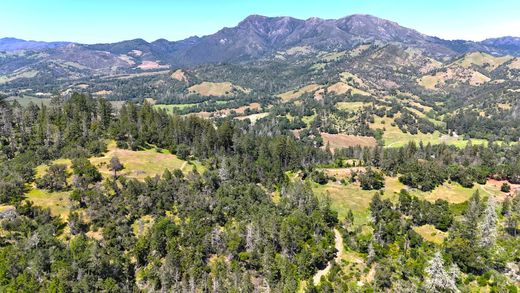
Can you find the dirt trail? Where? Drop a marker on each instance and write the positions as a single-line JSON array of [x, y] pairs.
[[339, 247], [183, 165]]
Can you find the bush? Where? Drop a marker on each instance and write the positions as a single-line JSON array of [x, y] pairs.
[[372, 180], [505, 187], [319, 177], [55, 179], [183, 151]]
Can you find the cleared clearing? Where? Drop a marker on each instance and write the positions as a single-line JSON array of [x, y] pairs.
[[341, 88], [515, 64], [431, 234], [333, 56], [58, 202], [352, 79], [352, 106], [290, 95], [352, 197], [482, 59], [455, 193], [343, 173], [171, 107], [253, 117], [17, 75], [151, 65], [337, 141], [394, 137], [25, 100], [453, 74], [217, 89], [179, 75], [140, 164]]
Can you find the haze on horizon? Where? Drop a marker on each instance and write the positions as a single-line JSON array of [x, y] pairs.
[[101, 21]]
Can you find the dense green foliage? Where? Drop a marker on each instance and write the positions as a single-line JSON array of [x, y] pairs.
[[222, 230]]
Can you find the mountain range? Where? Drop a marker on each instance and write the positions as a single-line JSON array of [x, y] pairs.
[[27, 64], [257, 36]]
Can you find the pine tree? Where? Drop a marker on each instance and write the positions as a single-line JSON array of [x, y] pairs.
[[488, 227], [438, 279], [115, 165]]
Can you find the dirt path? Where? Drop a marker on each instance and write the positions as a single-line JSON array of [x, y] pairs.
[[339, 247], [183, 165]]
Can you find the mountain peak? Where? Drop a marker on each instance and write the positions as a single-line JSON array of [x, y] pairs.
[[14, 44], [258, 20]]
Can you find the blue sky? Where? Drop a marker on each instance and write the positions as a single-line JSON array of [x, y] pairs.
[[93, 21]]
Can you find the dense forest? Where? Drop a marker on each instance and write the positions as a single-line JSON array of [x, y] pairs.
[[222, 230]]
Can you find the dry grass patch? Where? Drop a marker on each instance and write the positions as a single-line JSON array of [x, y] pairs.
[[150, 65], [341, 88], [58, 202], [179, 75], [352, 106], [216, 89], [337, 141], [488, 61], [352, 79], [343, 173], [515, 64], [290, 95], [140, 164], [454, 74], [455, 193], [253, 117], [332, 56], [431, 234], [358, 50]]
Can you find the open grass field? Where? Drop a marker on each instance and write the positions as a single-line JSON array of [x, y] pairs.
[[290, 95], [172, 107], [179, 75], [455, 193], [17, 75], [253, 117], [351, 196], [482, 59], [342, 88], [138, 164], [351, 106], [58, 202], [25, 100], [141, 164], [337, 141], [431, 234], [394, 137], [216, 89]]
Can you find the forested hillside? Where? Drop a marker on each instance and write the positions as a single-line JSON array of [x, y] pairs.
[[279, 155], [248, 216]]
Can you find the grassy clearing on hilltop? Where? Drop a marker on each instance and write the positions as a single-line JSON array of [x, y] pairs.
[[394, 137], [171, 108], [290, 95], [352, 106], [141, 164], [58, 202], [431, 234], [138, 165], [25, 100], [216, 89], [352, 197], [336, 141]]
